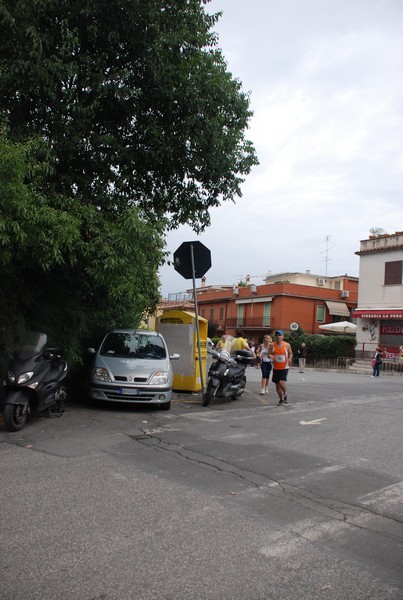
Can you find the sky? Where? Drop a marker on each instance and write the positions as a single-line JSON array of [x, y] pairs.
[[326, 89]]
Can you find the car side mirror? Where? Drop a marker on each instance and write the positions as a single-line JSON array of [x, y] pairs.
[[174, 356], [91, 351]]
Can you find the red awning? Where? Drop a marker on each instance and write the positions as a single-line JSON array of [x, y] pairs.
[[373, 313]]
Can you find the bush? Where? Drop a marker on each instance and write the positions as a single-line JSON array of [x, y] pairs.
[[324, 346]]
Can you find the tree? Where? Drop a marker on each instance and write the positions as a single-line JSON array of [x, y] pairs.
[[134, 99], [120, 121], [67, 268]]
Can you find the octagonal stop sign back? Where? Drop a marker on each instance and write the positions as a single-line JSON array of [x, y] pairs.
[[183, 260]]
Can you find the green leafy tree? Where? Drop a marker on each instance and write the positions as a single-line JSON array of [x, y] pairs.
[[120, 121], [134, 99], [66, 267]]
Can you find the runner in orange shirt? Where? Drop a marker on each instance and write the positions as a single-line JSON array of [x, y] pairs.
[[281, 354]]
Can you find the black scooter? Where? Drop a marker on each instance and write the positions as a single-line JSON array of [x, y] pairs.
[[226, 377], [34, 381]]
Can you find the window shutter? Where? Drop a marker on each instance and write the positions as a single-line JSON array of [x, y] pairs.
[[393, 272]]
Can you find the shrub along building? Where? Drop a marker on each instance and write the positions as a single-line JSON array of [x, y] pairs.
[[285, 298]]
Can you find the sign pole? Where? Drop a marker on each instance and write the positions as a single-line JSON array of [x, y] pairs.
[[197, 316], [193, 258]]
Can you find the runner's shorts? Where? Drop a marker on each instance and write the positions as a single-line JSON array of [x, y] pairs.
[[266, 368], [279, 375]]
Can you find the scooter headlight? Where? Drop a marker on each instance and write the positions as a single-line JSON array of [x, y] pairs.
[[24, 377], [11, 377], [225, 356]]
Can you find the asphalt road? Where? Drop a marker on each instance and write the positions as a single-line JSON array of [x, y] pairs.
[[241, 500]]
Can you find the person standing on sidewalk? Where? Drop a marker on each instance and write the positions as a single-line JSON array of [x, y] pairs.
[[302, 352], [265, 363], [280, 353], [376, 363]]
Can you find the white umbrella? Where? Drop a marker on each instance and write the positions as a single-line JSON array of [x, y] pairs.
[[340, 327]]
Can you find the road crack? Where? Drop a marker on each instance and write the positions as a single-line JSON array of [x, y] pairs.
[[355, 515]]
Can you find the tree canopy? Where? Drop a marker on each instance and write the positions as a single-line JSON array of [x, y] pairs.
[[67, 268], [134, 99], [119, 120]]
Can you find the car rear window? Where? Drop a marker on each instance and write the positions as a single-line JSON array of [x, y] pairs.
[[133, 345]]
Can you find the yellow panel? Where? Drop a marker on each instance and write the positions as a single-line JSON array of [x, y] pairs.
[[179, 330]]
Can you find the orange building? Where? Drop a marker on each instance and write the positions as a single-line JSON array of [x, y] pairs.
[[285, 298]]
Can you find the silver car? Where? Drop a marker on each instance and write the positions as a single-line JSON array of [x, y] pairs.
[[134, 367]]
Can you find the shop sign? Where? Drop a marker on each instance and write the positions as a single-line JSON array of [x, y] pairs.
[[377, 314], [392, 330]]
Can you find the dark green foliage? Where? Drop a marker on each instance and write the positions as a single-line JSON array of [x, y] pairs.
[[67, 269], [324, 346], [134, 99], [212, 329], [118, 121]]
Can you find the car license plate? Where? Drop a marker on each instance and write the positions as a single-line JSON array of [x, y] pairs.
[[129, 392]]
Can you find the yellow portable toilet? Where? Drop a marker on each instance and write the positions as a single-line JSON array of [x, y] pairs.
[[180, 332]]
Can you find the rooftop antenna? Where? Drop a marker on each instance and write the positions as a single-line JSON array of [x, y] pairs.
[[326, 252]]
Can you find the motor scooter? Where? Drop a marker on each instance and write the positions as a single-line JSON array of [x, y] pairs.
[[226, 377], [34, 381]]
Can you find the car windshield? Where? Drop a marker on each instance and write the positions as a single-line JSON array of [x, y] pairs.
[[133, 345]]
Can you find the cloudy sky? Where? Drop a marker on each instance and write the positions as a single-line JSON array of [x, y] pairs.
[[326, 85]]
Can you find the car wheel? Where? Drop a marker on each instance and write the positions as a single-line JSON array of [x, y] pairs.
[[165, 406]]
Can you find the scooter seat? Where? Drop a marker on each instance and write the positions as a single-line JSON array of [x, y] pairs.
[[243, 356]]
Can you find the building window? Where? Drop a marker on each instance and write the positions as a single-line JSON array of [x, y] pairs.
[[240, 315], [221, 317], [320, 313], [393, 272], [266, 315], [211, 314], [203, 313]]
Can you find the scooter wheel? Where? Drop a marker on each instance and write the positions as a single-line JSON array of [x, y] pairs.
[[208, 394], [15, 416]]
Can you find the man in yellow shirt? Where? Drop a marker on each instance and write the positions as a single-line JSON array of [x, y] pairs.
[[239, 342]]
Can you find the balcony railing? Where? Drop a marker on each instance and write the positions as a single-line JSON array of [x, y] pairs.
[[248, 322]]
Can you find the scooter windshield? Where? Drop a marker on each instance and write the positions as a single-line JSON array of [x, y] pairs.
[[31, 344]]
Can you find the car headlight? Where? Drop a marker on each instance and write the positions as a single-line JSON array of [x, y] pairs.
[[101, 374], [24, 377], [159, 378]]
